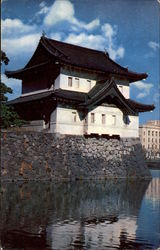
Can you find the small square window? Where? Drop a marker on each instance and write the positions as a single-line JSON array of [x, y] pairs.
[[77, 82], [92, 118], [103, 118], [113, 120], [89, 83], [74, 116], [69, 81], [86, 119]]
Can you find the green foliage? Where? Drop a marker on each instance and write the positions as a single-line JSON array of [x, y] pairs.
[[4, 58], [8, 116]]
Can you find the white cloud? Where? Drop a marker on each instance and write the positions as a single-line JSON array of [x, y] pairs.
[[85, 40], [109, 33], [105, 40], [154, 45], [143, 87], [15, 26], [12, 83], [43, 9], [56, 36], [26, 43], [64, 11]]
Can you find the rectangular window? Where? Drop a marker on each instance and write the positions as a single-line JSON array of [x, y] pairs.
[[152, 139], [74, 115], [103, 119], [156, 133], [89, 84], [148, 132], [148, 139], [69, 81], [92, 118], [152, 133], [113, 120], [86, 119], [144, 133], [77, 82]]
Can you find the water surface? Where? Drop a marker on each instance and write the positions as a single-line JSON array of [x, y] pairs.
[[111, 214]]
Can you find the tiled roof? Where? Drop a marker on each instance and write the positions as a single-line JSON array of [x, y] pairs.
[[78, 56]]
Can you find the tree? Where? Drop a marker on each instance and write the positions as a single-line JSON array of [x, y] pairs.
[[8, 115]]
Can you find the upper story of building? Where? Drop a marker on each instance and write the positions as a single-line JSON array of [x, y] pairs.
[[58, 65]]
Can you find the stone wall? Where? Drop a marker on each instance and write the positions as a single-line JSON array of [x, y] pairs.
[[39, 156]]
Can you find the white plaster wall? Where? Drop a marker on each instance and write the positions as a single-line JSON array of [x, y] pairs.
[[53, 119], [84, 86], [119, 128], [124, 90], [66, 125]]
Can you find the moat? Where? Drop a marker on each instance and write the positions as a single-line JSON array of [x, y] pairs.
[[106, 214]]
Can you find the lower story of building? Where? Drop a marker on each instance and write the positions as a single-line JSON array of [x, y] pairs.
[[100, 120]]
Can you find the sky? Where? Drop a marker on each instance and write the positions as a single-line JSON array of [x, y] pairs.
[[129, 30]]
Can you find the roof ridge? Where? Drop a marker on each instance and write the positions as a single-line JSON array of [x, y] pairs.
[[99, 51]]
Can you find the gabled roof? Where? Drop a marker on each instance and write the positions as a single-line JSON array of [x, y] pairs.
[[107, 90], [77, 56]]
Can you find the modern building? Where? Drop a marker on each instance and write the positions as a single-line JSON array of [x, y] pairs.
[[150, 137], [69, 89]]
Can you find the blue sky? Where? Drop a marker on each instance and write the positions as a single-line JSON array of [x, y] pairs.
[[129, 30]]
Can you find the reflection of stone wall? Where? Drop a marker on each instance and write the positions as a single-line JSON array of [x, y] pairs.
[[49, 156], [35, 205]]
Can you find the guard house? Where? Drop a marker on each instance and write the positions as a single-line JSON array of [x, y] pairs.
[[69, 89]]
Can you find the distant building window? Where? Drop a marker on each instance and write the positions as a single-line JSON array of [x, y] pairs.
[[144, 133], [152, 139], [70, 81], [92, 117], [156, 140], [155, 146], [77, 82], [148, 132], [143, 139], [156, 133], [103, 118], [152, 133], [148, 139], [74, 115], [89, 83], [113, 120]]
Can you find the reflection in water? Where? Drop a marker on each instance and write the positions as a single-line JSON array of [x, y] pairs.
[[79, 215]]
